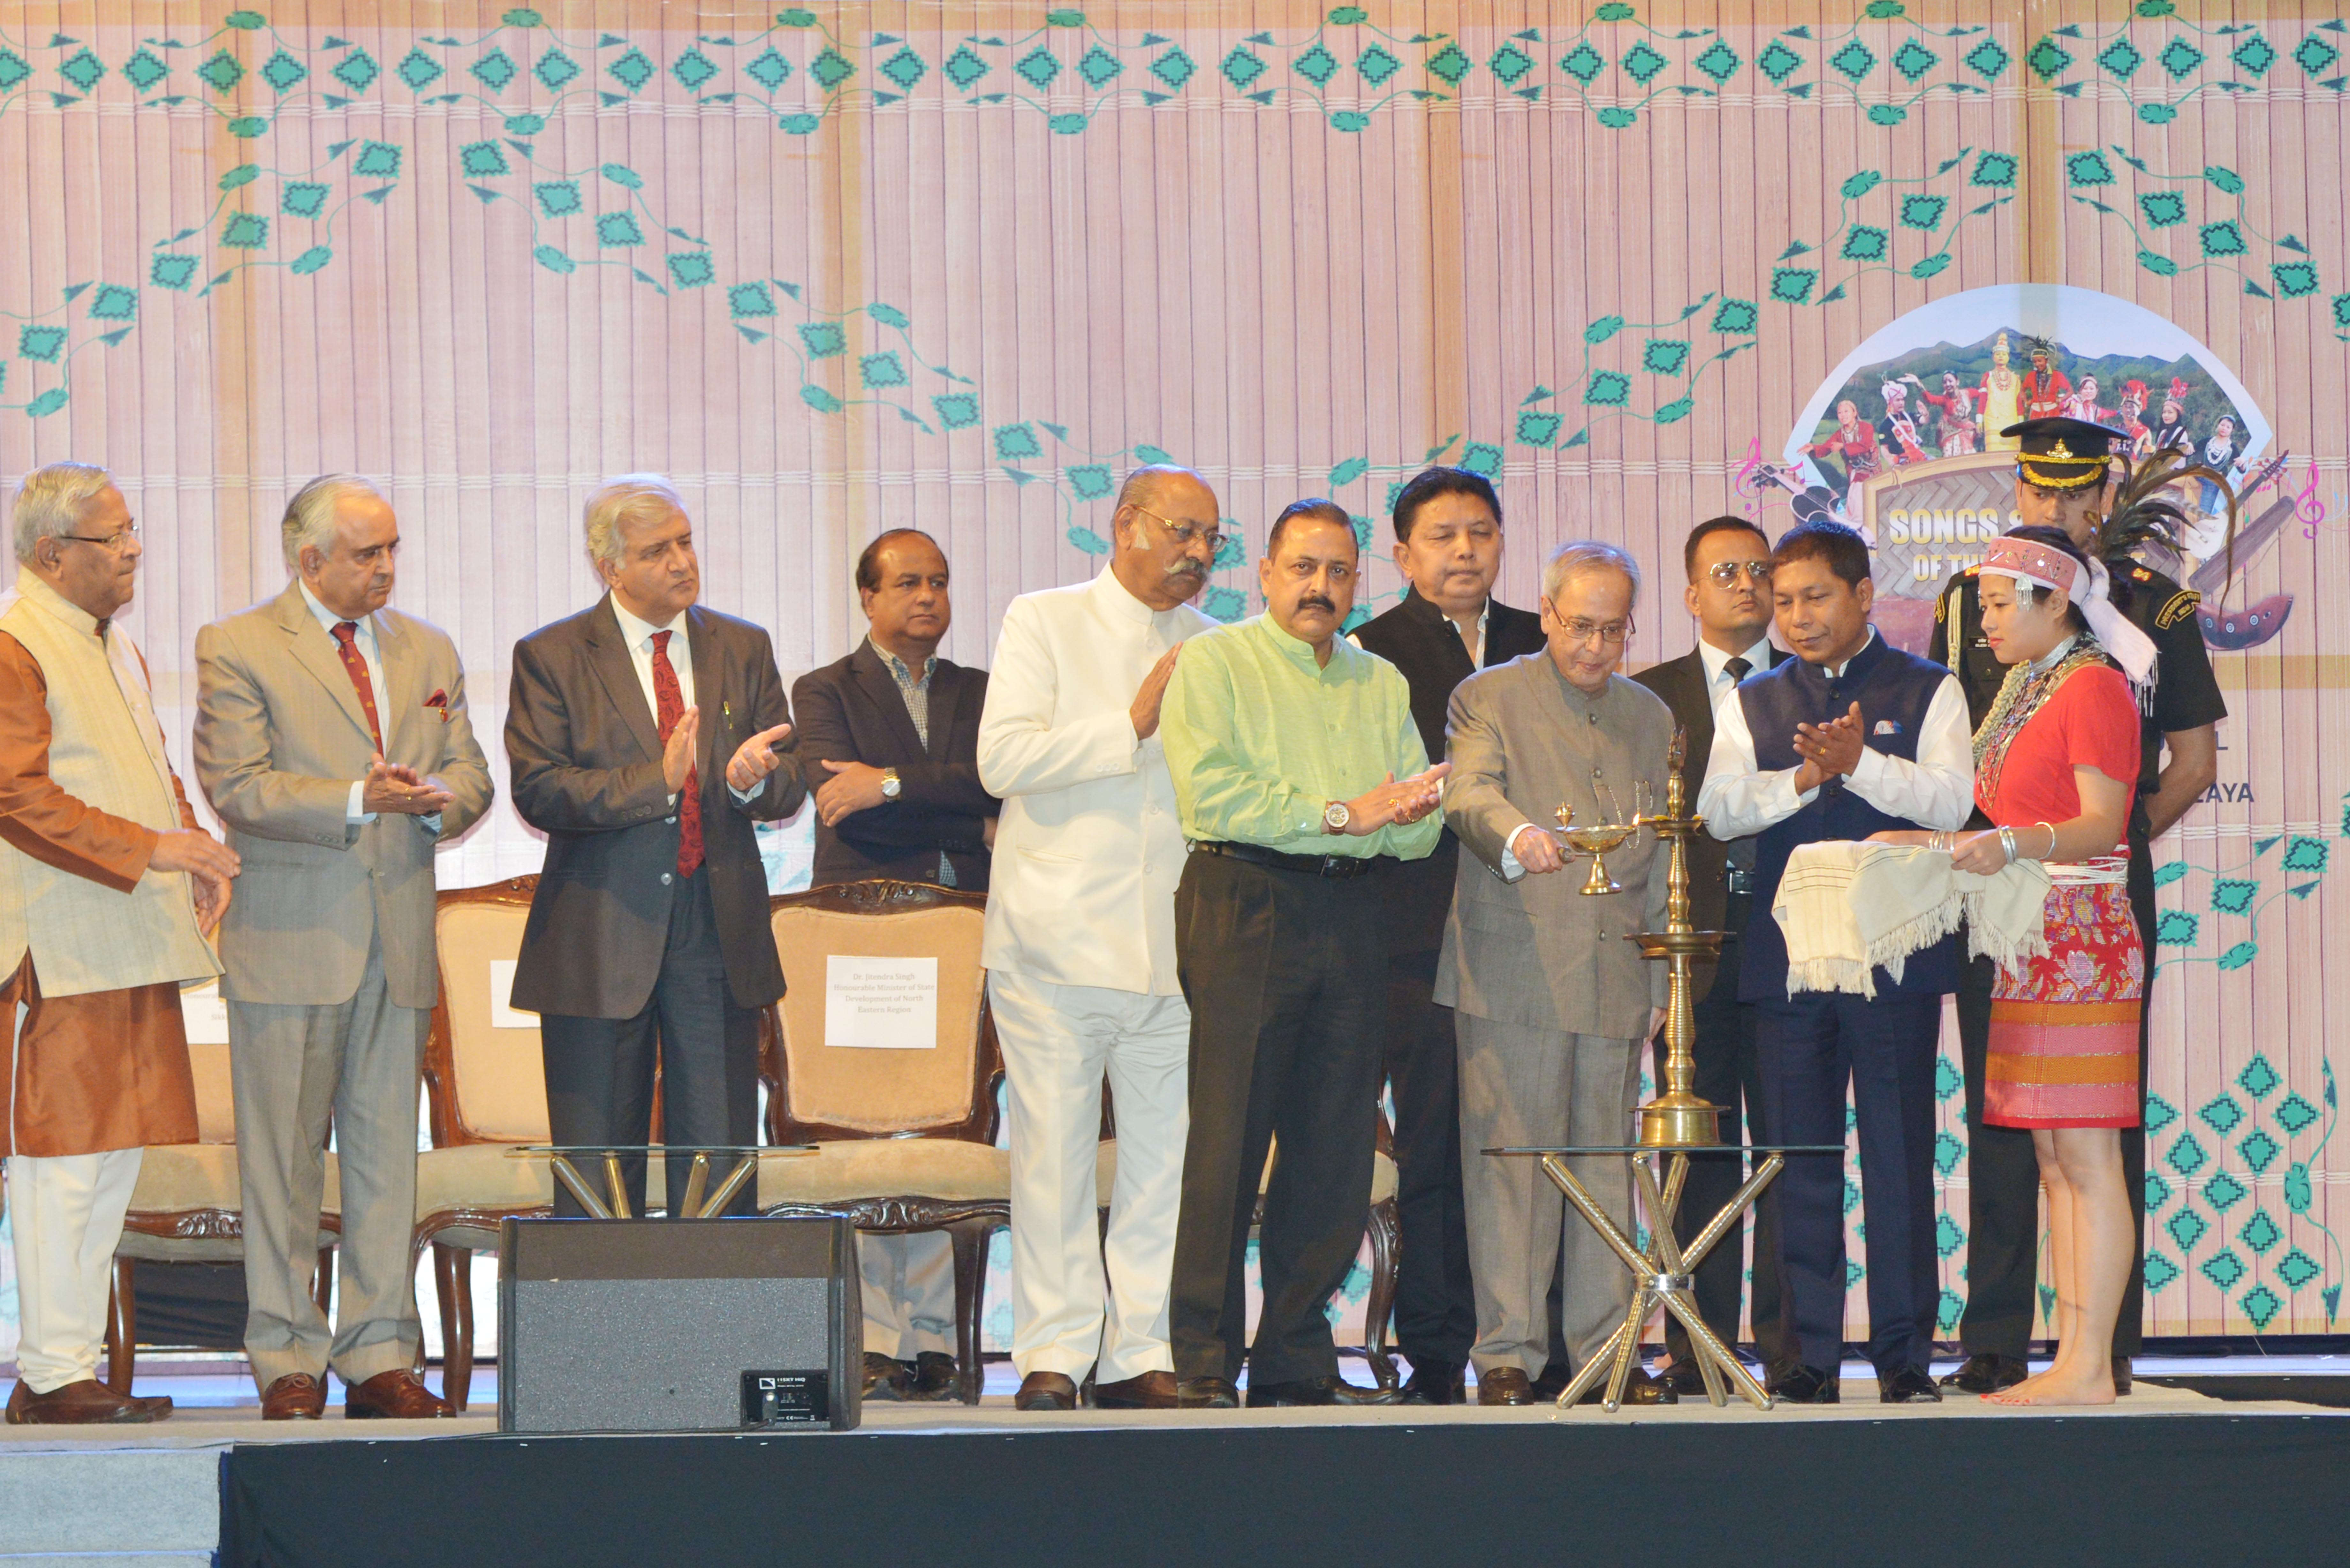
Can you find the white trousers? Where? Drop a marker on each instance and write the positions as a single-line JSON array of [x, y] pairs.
[[1059, 1041], [909, 1301], [66, 1211]]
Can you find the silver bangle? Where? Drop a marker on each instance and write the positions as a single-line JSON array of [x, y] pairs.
[[2007, 842]]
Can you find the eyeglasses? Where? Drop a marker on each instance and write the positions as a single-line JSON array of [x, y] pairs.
[[116, 543], [1725, 572], [1184, 534], [1582, 629]]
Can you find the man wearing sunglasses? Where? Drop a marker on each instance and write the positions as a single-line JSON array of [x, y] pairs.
[[1729, 563]]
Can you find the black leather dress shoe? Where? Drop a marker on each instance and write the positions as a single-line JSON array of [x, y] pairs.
[[1803, 1386], [1331, 1390], [1432, 1383], [1504, 1385], [934, 1377], [885, 1376], [1206, 1394], [1910, 1385], [1638, 1389], [2121, 1375], [1046, 1391], [1684, 1379], [1987, 1372]]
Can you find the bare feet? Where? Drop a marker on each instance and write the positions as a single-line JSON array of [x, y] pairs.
[[2062, 1384]]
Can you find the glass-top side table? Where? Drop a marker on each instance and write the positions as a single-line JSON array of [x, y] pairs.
[[1662, 1274]]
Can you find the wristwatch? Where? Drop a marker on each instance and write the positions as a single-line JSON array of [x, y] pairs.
[[1336, 816], [890, 784]]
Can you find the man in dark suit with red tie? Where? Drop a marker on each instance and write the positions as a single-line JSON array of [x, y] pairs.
[[646, 736], [1729, 564], [1447, 525]]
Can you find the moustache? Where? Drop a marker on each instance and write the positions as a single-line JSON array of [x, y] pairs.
[[1315, 601]]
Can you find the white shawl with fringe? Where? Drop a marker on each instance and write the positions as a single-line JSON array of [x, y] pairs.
[[1847, 908]]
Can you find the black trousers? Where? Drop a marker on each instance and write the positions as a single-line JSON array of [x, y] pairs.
[[1813, 1045], [600, 1071], [1435, 1305], [1729, 1062], [2003, 1175], [1282, 971]]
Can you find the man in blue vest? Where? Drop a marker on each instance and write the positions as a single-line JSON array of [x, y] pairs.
[[1850, 737]]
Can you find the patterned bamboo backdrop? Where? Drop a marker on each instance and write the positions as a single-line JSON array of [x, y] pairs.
[[840, 267]]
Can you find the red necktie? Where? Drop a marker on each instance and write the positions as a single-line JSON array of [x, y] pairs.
[[347, 634], [672, 708]]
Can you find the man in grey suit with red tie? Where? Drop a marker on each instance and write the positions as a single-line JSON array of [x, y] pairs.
[[646, 736], [1729, 563], [333, 740]]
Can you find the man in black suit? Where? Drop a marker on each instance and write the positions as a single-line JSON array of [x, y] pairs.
[[893, 732], [1447, 525], [646, 734], [1729, 564], [896, 729]]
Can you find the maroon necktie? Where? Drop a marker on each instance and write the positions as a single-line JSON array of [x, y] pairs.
[[672, 709], [347, 633]]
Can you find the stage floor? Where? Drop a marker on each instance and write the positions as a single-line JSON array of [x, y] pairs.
[[159, 1496], [217, 1406]]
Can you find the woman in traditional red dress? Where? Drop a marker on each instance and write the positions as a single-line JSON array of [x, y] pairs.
[[2057, 760]]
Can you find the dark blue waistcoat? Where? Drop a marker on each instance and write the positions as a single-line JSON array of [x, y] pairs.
[[1894, 690]]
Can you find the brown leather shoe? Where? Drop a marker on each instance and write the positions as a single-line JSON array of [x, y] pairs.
[[88, 1403], [1046, 1391], [1504, 1385], [1144, 1391], [297, 1396], [393, 1395]]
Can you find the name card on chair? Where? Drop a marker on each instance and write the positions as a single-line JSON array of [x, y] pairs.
[[204, 1014], [881, 1003], [504, 1015]]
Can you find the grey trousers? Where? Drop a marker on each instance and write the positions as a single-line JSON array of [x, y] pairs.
[[294, 1068], [1521, 1086]]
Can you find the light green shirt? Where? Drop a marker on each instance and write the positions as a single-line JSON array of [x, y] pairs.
[[1261, 740]]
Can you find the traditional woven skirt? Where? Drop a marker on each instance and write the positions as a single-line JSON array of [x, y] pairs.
[[2064, 1034]]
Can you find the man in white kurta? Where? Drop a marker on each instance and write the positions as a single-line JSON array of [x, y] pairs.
[[1080, 947]]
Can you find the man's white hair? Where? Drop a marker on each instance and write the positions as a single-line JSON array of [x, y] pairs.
[[309, 521], [50, 500], [1583, 555], [631, 498]]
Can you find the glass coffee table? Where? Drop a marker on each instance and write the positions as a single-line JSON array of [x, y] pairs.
[[1662, 1273]]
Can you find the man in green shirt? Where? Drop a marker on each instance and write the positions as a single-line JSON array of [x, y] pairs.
[[1298, 773]]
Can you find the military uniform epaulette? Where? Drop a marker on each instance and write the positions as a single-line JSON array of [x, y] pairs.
[[2159, 602]]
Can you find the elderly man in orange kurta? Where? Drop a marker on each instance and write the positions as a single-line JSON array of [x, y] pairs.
[[107, 888]]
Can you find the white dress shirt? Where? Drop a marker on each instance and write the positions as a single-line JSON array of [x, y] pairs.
[[363, 638], [640, 633], [1088, 849], [1936, 791], [1718, 683]]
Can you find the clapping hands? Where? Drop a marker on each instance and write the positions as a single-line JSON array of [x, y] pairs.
[[1827, 750], [1396, 801]]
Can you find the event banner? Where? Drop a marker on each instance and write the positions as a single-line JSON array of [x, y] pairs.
[[837, 267]]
